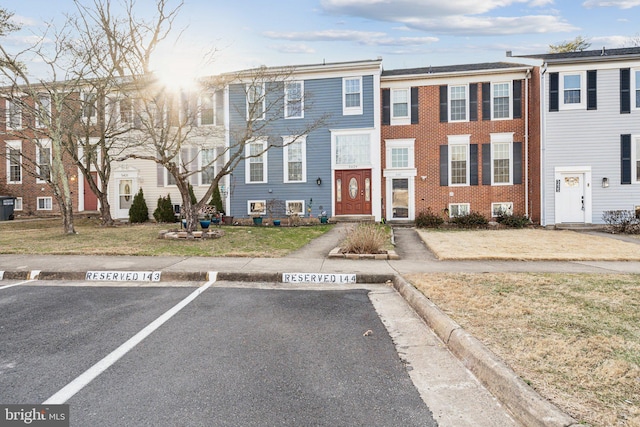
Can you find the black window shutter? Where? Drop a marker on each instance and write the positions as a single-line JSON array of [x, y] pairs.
[[592, 92], [517, 99], [625, 158], [386, 106], [486, 101], [444, 116], [625, 93], [415, 102], [486, 164], [554, 87], [473, 102], [473, 171], [444, 165], [517, 162]]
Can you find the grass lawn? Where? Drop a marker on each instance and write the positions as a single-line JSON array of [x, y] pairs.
[[46, 237], [575, 338]]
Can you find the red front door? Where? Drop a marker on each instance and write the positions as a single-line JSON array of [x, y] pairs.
[[353, 192], [90, 199]]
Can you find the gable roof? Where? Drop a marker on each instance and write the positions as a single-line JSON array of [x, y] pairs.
[[448, 69], [587, 55]]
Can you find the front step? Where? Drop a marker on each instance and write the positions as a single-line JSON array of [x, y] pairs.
[[579, 226], [352, 218]]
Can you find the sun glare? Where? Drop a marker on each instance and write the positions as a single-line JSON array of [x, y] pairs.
[[177, 71]]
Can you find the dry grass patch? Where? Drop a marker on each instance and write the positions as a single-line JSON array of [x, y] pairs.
[[574, 338], [528, 245], [45, 237]]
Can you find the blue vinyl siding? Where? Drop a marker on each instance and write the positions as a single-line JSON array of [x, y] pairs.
[[321, 96]]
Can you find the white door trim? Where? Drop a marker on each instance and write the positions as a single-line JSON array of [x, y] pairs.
[[585, 171]]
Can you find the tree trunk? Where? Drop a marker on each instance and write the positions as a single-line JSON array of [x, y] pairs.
[[105, 210]]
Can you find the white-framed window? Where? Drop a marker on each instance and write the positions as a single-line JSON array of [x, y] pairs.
[[256, 99], [400, 108], [45, 203], [208, 160], [458, 209], [295, 207], [256, 161], [502, 208], [635, 159], [400, 154], [43, 108], [635, 75], [501, 158], [295, 159], [43, 161], [14, 162], [572, 90], [458, 105], [256, 207], [207, 109], [351, 95], [352, 149], [89, 106], [17, 204], [293, 100], [14, 114], [501, 100], [459, 160]]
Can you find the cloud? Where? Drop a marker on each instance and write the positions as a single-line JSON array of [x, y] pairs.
[[463, 17], [368, 38], [293, 48], [622, 4]]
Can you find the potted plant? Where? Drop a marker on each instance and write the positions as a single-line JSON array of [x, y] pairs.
[[323, 218], [257, 219], [207, 211]]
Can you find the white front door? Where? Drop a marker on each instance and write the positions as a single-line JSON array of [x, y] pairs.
[[571, 198], [124, 197]]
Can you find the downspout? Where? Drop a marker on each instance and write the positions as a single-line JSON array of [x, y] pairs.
[[543, 137], [526, 142]]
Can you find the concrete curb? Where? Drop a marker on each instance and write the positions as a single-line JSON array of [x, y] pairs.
[[526, 405]]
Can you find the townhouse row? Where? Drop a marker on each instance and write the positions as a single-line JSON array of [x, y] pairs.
[[558, 141]]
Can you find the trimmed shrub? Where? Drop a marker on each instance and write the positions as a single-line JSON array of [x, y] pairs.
[[216, 199], [164, 211], [138, 212], [471, 220], [513, 220], [429, 219], [366, 239], [622, 221]]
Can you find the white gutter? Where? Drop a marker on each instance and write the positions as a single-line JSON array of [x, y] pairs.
[[543, 137]]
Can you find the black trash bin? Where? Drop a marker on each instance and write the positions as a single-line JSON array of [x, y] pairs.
[[7, 204]]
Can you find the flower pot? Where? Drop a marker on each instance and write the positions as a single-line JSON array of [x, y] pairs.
[[205, 223], [228, 220], [324, 220], [215, 221], [276, 222], [184, 223], [257, 220]]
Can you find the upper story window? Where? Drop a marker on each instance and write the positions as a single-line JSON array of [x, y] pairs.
[[572, 87], [293, 95], [207, 165], [43, 108], [207, 109], [352, 95], [458, 103], [43, 157], [256, 161], [14, 115], [399, 154], [459, 160], [295, 159], [255, 101], [400, 103], [501, 101], [89, 110], [352, 149], [636, 86], [14, 162]]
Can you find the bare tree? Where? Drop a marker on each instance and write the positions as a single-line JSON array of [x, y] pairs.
[[578, 44]]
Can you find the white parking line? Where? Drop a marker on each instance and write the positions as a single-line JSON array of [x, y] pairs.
[[90, 374], [16, 284]]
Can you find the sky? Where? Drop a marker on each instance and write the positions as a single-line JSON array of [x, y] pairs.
[[405, 33]]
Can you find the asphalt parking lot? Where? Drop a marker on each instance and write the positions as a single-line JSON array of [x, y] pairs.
[[229, 354]]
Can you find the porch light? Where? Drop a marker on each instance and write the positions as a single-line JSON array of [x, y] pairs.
[[319, 181], [605, 182]]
